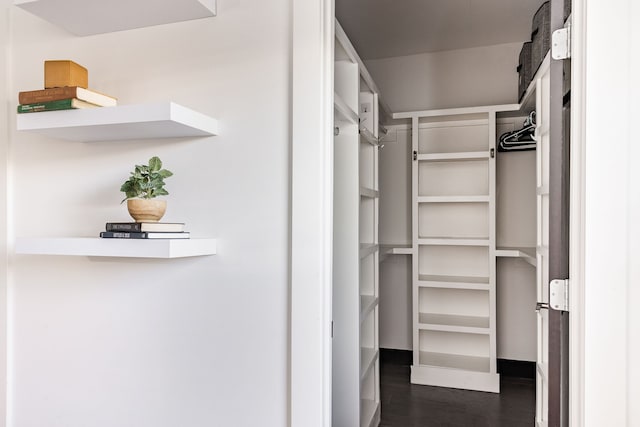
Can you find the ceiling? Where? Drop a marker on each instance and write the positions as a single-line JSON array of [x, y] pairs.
[[388, 28]]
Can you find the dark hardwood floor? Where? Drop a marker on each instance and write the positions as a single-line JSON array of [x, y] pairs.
[[408, 405]]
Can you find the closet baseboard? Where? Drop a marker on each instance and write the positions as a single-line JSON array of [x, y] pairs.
[[517, 368], [506, 367]]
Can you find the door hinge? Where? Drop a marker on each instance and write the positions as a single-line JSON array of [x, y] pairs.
[[561, 43], [559, 294]]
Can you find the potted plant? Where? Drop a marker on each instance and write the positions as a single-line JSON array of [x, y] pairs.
[[141, 189]]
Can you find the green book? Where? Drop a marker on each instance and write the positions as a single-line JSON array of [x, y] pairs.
[[61, 104]]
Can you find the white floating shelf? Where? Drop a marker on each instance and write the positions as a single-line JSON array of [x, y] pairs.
[[129, 248], [88, 17], [124, 122]]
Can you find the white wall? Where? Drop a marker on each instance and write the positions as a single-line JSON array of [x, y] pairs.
[[611, 340], [457, 78], [4, 138], [127, 342], [396, 320]]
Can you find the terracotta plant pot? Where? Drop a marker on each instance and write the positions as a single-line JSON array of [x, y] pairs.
[[146, 210]]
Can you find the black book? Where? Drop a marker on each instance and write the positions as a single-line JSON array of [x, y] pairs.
[[143, 235], [158, 227]]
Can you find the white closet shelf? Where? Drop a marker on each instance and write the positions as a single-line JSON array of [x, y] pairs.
[[453, 199], [454, 323], [367, 304], [87, 17], [369, 192], [399, 249], [367, 249], [454, 361], [127, 248], [124, 122], [343, 113], [369, 411], [368, 357], [453, 241], [528, 102], [454, 282], [369, 137], [526, 254], [447, 157]]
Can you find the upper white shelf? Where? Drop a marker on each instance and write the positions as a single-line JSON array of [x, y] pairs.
[[124, 122], [129, 248], [527, 254], [88, 17], [449, 157], [343, 112]]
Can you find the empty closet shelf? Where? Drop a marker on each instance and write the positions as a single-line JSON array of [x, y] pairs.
[[454, 361], [369, 192], [343, 112], [453, 199], [368, 410], [368, 357], [453, 282], [453, 323], [367, 136], [367, 249], [367, 304], [454, 241], [446, 157], [526, 254]]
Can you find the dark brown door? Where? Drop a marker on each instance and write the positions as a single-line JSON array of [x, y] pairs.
[[559, 133]]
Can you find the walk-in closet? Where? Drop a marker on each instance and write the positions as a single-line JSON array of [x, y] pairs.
[[441, 199]]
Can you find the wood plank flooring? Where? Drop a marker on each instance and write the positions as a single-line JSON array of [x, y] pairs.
[[408, 405]]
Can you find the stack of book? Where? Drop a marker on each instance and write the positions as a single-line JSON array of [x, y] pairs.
[[145, 230], [65, 89]]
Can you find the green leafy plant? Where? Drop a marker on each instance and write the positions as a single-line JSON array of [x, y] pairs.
[[146, 181]]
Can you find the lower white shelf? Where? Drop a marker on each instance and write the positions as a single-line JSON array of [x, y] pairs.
[[129, 248], [453, 323], [369, 413], [455, 371], [368, 357]]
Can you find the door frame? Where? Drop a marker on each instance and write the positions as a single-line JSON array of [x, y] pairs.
[[311, 212]]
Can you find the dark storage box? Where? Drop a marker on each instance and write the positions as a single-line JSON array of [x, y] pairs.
[[540, 36], [525, 73]]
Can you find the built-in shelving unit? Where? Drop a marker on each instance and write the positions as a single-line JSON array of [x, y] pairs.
[[87, 17], [454, 247], [127, 248], [124, 122], [356, 252]]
